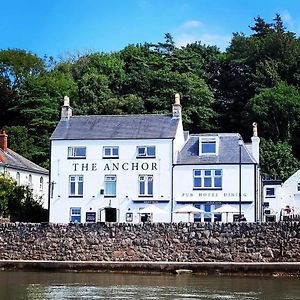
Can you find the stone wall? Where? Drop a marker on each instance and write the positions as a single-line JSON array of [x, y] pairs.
[[182, 242]]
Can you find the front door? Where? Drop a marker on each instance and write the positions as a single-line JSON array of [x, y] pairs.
[[110, 214]]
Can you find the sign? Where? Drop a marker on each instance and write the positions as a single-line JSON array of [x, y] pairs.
[[116, 166], [90, 217]]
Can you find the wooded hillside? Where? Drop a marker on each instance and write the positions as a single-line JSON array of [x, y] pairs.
[[256, 79]]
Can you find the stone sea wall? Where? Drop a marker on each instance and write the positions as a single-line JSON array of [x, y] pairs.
[[182, 242]]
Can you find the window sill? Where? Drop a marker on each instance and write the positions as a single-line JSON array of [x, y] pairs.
[[77, 157], [145, 196], [143, 157], [110, 157], [110, 196], [75, 196], [207, 189]]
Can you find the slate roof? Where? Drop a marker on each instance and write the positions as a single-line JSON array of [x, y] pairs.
[[102, 127], [13, 160], [228, 151]]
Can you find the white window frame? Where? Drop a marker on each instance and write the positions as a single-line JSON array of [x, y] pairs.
[[208, 140], [74, 213], [145, 152], [204, 174], [78, 179], [18, 178], [146, 179], [111, 150], [110, 178], [72, 152], [41, 183]]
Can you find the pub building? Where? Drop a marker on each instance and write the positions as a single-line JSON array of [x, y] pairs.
[[107, 168]]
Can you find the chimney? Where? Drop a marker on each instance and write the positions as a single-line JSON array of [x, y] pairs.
[[3, 140], [255, 143], [66, 110], [176, 107]]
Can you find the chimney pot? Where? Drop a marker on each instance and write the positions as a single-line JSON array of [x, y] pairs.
[[3, 140]]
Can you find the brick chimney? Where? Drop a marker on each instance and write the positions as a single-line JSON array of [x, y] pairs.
[[66, 110], [176, 108], [3, 140]]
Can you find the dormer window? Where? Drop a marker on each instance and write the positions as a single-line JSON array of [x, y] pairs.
[[145, 151], [208, 146]]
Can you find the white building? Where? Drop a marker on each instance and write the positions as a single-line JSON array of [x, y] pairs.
[[108, 168], [23, 170], [281, 198]]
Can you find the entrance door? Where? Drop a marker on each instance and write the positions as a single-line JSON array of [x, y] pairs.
[[110, 214]]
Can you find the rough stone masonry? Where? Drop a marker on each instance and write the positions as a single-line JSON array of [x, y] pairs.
[[176, 242]]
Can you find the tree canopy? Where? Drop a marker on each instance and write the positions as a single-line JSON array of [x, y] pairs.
[[256, 79]]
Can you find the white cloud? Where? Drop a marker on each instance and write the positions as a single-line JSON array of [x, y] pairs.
[[191, 24], [193, 31], [291, 23], [221, 41]]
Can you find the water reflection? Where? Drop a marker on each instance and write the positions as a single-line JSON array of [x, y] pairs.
[[34, 285]]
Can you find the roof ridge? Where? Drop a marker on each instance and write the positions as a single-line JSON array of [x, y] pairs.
[[131, 115]]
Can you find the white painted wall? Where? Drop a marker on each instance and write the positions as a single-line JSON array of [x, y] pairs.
[[184, 192], [127, 180], [38, 189]]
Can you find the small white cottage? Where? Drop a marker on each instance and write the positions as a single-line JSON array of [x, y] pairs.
[[23, 170]]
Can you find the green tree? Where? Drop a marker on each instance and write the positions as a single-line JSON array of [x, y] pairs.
[[19, 203], [277, 159], [278, 110]]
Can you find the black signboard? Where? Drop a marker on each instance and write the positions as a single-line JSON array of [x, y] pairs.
[[90, 217]]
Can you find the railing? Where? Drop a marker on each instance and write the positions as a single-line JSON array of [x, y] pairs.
[[291, 218]]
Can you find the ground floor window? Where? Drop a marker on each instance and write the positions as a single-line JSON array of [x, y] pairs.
[[75, 214]]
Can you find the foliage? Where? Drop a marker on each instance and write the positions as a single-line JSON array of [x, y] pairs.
[[256, 79], [277, 159], [18, 202]]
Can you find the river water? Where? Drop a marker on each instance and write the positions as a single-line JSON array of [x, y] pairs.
[[40, 285]]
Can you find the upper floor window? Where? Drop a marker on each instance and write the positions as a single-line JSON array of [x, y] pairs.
[[146, 185], [110, 185], [270, 192], [208, 147], [76, 152], [41, 183], [298, 187], [30, 179], [110, 152], [76, 186], [206, 179], [145, 151], [18, 178]]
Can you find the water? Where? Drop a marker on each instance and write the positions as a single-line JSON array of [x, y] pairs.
[[38, 285]]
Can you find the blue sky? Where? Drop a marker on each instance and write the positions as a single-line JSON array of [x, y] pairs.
[[62, 27]]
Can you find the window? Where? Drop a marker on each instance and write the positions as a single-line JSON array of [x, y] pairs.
[[146, 185], [75, 214], [110, 185], [110, 152], [298, 187], [18, 178], [76, 186], [30, 179], [41, 183], [207, 179], [145, 151], [270, 192], [76, 152], [208, 147]]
